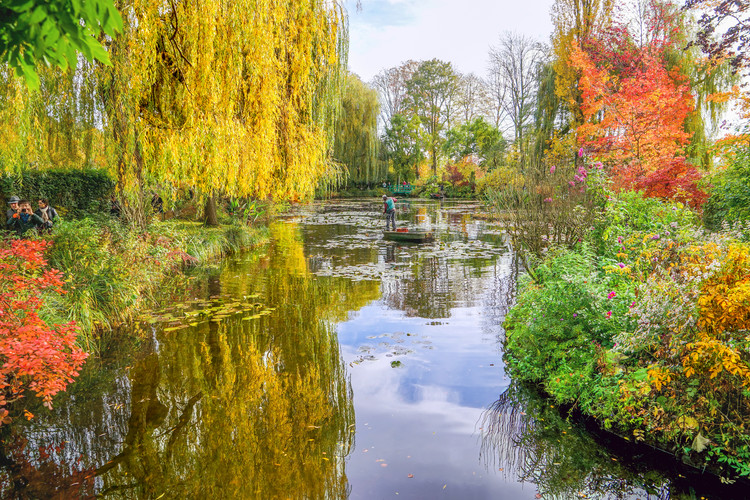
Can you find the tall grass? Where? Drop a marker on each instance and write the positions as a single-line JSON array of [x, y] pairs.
[[112, 272]]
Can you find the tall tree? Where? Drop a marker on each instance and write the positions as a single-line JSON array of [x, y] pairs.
[[430, 93], [472, 97], [574, 21], [356, 139], [402, 142], [515, 64], [636, 124], [231, 97], [391, 86], [475, 138]]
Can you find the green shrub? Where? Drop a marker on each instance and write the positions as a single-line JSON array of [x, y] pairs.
[[72, 190], [729, 200]]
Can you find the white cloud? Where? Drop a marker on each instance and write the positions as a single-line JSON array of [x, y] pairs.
[[385, 33]]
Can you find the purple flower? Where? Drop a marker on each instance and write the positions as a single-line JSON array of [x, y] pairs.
[[575, 315], [621, 265], [548, 200]]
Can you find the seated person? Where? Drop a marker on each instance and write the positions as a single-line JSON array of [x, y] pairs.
[[46, 212], [24, 219], [13, 204]]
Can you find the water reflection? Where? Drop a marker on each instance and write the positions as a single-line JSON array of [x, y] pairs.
[[331, 364], [230, 405]]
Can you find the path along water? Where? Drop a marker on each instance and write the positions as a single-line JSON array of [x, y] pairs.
[[331, 364]]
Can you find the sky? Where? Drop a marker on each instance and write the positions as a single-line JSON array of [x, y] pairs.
[[385, 33]]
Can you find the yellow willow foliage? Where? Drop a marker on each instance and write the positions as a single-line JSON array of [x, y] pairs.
[[237, 96], [16, 126]]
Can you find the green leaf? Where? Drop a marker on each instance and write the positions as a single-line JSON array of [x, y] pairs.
[[39, 14]]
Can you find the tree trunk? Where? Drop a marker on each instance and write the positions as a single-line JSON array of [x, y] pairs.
[[210, 218]]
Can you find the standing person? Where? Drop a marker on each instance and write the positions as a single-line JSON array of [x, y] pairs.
[[389, 209], [46, 212], [13, 204], [24, 219]]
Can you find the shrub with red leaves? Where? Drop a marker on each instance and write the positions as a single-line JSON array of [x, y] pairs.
[[34, 356]]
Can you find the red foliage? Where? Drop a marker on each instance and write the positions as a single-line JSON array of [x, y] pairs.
[[635, 109], [34, 356]]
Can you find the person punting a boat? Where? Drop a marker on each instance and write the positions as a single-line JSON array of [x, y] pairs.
[[389, 209]]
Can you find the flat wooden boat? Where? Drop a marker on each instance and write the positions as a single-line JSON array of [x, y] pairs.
[[409, 236]]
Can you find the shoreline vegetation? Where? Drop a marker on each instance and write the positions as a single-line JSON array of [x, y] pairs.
[[641, 322]]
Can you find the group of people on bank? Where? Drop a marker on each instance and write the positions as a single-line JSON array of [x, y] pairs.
[[22, 218]]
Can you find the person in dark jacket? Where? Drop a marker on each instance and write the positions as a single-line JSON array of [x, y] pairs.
[[46, 212], [24, 220], [13, 204]]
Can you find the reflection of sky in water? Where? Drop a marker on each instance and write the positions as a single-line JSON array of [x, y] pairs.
[[422, 417]]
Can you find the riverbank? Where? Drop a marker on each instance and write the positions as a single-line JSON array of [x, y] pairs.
[[113, 272], [643, 326]]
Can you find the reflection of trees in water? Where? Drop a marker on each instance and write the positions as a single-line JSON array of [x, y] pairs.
[[528, 438], [230, 408], [500, 294], [433, 286]]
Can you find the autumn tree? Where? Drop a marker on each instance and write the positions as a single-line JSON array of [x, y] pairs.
[[635, 123], [356, 139], [231, 98], [430, 94], [574, 21]]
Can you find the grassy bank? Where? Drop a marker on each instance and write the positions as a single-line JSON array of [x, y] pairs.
[[112, 271], [644, 326]]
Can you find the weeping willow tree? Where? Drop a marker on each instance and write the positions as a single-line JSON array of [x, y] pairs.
[[224, 97], [237, 97], [356, 142]]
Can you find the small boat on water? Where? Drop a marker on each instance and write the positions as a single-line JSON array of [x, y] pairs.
[[407, 236]]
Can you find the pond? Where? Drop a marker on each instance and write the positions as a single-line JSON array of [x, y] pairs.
[[329, 364]]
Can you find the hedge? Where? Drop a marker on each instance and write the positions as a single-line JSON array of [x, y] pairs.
[[72, 190]]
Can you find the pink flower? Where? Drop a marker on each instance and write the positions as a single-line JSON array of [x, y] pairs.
[[621, 265], [619, 239], [609, 314], [598, 165], [632, 305], [552, 169], [571, 183], [611, 295], [580, 153], [548, 200], [575, 315]]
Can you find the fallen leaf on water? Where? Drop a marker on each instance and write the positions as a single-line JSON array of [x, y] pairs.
[[384, 465], [410, 476], [537, 496]]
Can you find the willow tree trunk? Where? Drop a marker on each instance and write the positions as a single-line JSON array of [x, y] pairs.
[[210, 217]]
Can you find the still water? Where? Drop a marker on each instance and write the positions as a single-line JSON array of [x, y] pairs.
[[329, 364]]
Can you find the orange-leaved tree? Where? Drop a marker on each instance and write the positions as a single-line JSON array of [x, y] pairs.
[[34, 356], [634, 121]]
